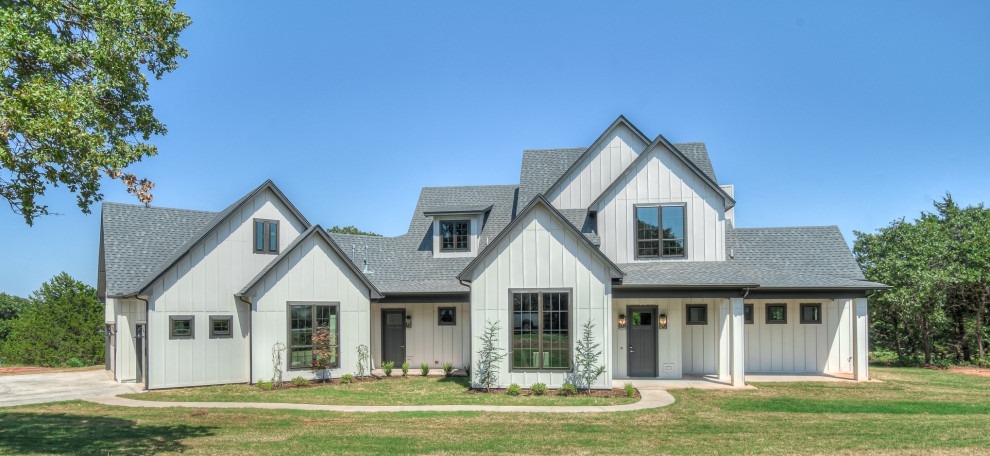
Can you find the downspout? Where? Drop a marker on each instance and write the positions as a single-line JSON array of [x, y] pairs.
[[147, 341], [745, 292], [250, 338]]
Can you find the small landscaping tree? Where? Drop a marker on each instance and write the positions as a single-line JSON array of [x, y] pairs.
[[586, 355], [362, 352], [324, 351], [277, 350], [489, 357]]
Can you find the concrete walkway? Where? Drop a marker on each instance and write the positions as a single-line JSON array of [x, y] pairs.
[[62, 386], [651, 398]]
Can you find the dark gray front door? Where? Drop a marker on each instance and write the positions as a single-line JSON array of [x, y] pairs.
[[394, 336], [139, 345], [641, 342]]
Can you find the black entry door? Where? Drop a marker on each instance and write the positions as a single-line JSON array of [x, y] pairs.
[[641, 342], [139, 344], [394, 336]]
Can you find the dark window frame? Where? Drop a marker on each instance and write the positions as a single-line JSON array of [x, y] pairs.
[[752, 314], [811, 322], [467, 235], [288, 332], [660, 239], [230, 326], [687, 314], [171, 327], [453, 316], [570, 329], [776, 322], [267, 245]]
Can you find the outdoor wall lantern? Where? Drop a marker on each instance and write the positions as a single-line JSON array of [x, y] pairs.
[[622, 321], [409, 321], [662, 321]]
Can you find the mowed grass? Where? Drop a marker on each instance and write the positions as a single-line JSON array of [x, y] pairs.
[[764, 421], [391, 391]]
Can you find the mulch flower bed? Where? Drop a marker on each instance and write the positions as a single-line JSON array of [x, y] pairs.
[[614, 392]]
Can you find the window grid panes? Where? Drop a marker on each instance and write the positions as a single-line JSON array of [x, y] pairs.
[[541, 337], [454, 234], [697, 314], [304, 320], [221, 327], [659, 231], [776, 313], [811, 313]]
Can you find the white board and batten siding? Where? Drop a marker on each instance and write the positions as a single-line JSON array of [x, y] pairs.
[[597, 171], [312, 273], [203, 283], [663, 178], [797, 347], [426, 340], [541, 253], [128, 314]]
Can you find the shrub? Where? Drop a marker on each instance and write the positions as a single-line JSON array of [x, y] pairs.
[[424, 369], [630, 391], [363, 356], [514, 390], [346, 378], [75, 362], [942, 363], [586, 355], [467, 370], [277, 350], [324, 351], [447, 369], [538, 389], [265, 385], [567, 389], [489, 357], [299, 381], [387, 367], [405, 368]]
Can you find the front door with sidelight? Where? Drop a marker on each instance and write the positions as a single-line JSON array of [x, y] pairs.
[[394, 336], [641, 341]]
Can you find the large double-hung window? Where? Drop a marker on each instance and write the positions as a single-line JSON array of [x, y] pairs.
[[541, 329], [304, 320], [660, 231]]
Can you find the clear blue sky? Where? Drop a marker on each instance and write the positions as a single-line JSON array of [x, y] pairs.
[[820, 113]]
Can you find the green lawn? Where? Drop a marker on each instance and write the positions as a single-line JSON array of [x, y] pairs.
[[914, 411], [392, 391]]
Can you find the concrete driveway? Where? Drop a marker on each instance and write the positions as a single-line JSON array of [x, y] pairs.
[[62, 386]]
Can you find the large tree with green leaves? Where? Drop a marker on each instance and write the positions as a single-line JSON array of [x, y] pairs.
[[64, 321], [74, 94], [11, 307]]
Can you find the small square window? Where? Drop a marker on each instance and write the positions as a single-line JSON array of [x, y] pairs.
[[447, 316], [811, 314], [181, 327], [748, 314], [697, 314], [454, 235], [220, 327], [776, 314]]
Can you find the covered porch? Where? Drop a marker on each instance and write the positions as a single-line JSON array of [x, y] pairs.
[[724, 338]]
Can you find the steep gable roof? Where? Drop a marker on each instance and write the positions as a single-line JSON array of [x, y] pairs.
[[538, 201], [136, 239], [205, 230], [661, 141], [318, 231]]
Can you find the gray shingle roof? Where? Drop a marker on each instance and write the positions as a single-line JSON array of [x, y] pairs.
[[457, 209], [728, 273], [405, 264], [814, 250], [541, 168], [698, 154], [138, 239]]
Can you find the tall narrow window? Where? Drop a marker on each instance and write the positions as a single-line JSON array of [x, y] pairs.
[[748, 314], [304, 320], [454, 235], [541, 330], [659, 231], [265, 236]]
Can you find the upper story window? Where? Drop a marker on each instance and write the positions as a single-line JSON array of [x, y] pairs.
[[454, 235], [265, 236], [660, 231]]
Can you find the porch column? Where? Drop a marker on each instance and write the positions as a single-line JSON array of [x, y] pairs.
[[724, 340], [738, 342], [861, 340]]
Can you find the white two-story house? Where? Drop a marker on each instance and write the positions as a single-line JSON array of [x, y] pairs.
[[632, 234]]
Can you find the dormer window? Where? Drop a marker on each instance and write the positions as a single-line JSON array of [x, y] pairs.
[[660, 231], [454, 235], [265, 236]]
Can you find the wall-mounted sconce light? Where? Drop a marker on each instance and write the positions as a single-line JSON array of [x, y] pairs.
[[662, 321], [622, 321], [409, 321]]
